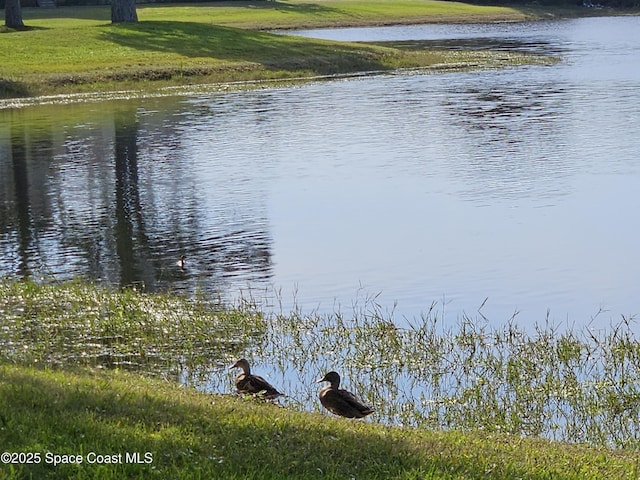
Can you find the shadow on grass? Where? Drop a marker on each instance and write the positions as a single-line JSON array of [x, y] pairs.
[[303, 8], [76, 12], [10, 88], [190, 39], [24, 28]]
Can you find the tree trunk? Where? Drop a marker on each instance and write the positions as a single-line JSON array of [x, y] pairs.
[[123, 11], [13, 14]]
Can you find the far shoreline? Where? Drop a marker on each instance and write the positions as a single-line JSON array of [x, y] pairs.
[[228, 45]]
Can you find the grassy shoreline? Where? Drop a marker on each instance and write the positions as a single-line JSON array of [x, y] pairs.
[[150, 428], [76, 50], [66, 388]]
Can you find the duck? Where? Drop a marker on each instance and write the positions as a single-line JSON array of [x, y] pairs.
[[246, 382], [181, 263], [341, 402]]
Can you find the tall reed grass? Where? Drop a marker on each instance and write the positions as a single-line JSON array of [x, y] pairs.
[[570, 384], [573, 384]]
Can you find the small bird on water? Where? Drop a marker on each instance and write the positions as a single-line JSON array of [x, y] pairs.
[[181, 263], [246, 382], [339, 401]]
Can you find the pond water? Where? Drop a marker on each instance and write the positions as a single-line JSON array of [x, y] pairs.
[[513, 189]]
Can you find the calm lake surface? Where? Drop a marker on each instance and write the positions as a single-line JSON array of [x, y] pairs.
[[518, 185]]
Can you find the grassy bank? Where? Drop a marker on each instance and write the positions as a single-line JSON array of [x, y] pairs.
[[185, 434], [433, 373], [577, 386], [76, 49]]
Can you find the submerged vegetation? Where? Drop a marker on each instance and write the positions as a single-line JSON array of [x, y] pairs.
[[75, 49], [573, 386], [568, 385], [79, 324]]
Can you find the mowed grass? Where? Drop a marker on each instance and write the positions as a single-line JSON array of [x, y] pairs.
[[338, 13], [76, 49], [268, 15], [184, 434]]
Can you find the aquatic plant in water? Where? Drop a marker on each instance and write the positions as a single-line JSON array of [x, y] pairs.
[[79, 324], [576, 385], [570, 385]]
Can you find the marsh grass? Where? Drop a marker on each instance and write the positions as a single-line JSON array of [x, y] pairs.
[[80, 324], [571, 385]]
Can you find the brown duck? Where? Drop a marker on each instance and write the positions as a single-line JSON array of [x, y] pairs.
[[339, 401], [246, 382]]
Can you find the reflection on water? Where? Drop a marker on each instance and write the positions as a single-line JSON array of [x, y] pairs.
[[105, 193], [517, 185], [517, 141]]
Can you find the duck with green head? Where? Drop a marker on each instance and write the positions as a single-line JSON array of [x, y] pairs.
[[246, 382], [339, 401]]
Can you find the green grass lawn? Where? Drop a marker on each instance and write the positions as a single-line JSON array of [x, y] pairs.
[[331, 13], [76, 49], [267, 14], [184, 434]]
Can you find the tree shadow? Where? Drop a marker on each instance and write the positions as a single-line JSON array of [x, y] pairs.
[[192, 40], [24, 28], [313, 8], [12, 89]]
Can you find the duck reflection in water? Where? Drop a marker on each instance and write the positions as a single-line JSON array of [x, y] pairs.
[[248, 383], [339, 401]]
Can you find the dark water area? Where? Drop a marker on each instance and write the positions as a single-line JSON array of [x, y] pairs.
[[103, 191], [514, 190]]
